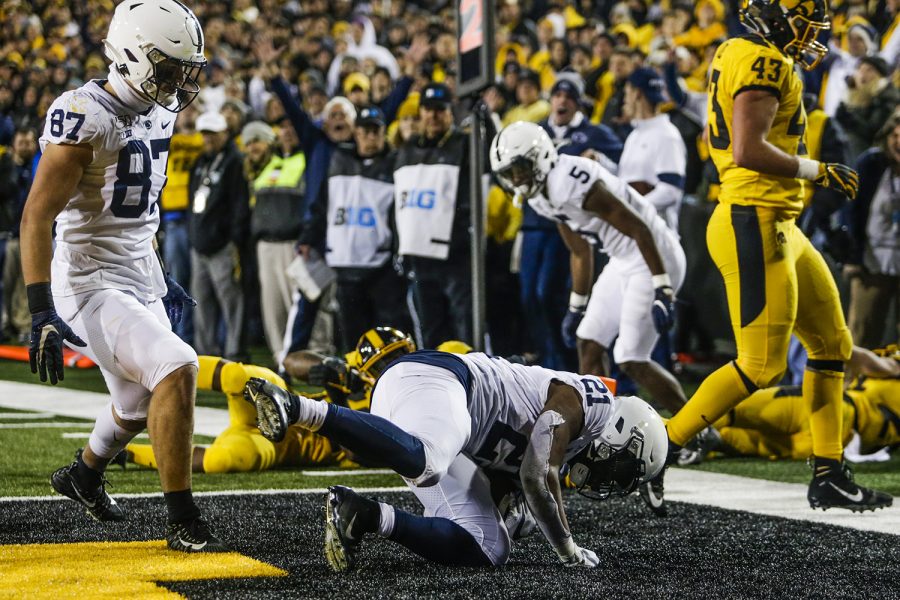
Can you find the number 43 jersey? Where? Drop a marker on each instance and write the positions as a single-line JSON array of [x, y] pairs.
[[749, 63], [104, 236], [505, 400]]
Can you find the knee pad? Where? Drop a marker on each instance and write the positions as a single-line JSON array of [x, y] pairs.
[[232, 378], [176, 354], [759, 376], [839, 347], [234, 452]]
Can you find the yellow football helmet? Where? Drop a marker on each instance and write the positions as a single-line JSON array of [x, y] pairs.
[[379, 347], [792, 26], [455, 347]]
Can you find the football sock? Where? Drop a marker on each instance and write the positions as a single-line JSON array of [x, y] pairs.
[[142, 454], [438, 539], [307, 412], [108, 437], [181, 506], [85, 476], [375, 438], [824, 467], [823, 384], [718, 394], [386, 520]]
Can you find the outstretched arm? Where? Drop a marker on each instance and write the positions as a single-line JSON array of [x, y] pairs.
[[559, 423]]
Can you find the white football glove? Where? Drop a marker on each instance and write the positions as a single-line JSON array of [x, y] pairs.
[[582, 557]]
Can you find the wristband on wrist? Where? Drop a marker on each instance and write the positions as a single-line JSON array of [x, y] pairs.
[[807, 169], [661, 280], [39, 297], [566, 550], [578, 301]]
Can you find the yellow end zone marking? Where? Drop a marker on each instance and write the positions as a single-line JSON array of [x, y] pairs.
[[114, 569]]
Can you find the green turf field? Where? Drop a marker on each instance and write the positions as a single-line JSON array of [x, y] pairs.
[[31, 454]]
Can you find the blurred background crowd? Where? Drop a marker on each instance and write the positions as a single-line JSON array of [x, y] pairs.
[[305, 102]]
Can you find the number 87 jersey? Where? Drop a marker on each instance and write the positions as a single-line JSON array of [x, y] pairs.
[[105, 233], [743, 64]]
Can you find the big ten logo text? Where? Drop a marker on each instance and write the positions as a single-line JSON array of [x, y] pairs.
[[424, 199], [355, 216]]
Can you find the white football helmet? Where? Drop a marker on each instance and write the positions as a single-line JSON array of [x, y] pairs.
[[522, 155], [157, 46], [631, 450]]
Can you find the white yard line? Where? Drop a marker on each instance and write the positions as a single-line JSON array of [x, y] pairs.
[[83, 435], [46, 425], [87, 405], [345, 472], [26, 416]]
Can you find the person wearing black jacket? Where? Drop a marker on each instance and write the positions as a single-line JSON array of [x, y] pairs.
[[354, 216], [431, 190], [220, 214]]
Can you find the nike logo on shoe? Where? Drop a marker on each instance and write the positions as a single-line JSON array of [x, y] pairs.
[[349, 529], [857, 497], [191, 545], [85, 501]]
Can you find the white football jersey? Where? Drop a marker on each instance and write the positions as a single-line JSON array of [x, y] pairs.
[[104, 235], [506, 399], [568, 184]]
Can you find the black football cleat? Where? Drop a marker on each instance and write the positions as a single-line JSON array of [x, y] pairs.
[[835, 488], [95, 500], [272, 407], [193, 536], [348, 517], [653, 494]]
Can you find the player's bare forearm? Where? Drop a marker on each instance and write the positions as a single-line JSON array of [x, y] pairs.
[[297, 364], [59, 171], [608, 207], [581, 260], [754, 113]]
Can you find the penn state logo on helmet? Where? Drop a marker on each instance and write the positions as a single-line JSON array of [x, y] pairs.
[[378, 348], [793, 26], [157, 46]]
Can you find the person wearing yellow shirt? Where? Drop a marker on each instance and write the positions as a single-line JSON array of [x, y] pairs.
[[776, 282], [186, 146], [531, 106]]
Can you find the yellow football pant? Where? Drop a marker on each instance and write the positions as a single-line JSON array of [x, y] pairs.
[[776, 283], [241, 447]]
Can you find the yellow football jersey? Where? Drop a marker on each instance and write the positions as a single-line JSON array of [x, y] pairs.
[[750, 63], [183, 152]]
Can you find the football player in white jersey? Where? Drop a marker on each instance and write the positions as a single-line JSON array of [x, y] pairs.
[[446, 422], [632, 302], [103, 167]]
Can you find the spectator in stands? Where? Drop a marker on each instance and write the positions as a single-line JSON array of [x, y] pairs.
[[530, 106], [186, 145], [654, 156], [355, 214], [218, 229], [870, 100], [16, 174], [609, 110], [841, 64], [874, 222], [276, 196]]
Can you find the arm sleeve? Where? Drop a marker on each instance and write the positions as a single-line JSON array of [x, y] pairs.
[[673, 86], [391, 104], [315, 225], [306, 130], [240, 226]]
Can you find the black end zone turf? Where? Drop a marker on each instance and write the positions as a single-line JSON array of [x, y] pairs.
[[695, 552]]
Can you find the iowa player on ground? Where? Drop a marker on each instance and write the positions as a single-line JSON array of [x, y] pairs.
[[776, 282]]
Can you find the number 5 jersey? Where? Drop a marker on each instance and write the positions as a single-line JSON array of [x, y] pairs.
[[104, 236]]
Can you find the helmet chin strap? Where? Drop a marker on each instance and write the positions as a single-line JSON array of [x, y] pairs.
[[127, 94]]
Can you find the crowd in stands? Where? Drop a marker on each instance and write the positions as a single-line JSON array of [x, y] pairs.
[[316, 116]]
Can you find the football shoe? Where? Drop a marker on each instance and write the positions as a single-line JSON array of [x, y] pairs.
[[272, 407], [696, 451], [95, 500], [348, 517], [193, 536], [652, 492], [834, 488]]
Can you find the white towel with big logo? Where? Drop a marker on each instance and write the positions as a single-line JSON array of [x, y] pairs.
[[425, 207]]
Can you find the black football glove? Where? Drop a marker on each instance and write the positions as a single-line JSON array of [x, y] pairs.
[[570, 325], [664, 308], [838, 177], [175, 299], [45, 353], [330, 371]]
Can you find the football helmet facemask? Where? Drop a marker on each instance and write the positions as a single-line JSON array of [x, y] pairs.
[[631, 450], [157, 46], [522, 155], [791, 25], [379, 347]]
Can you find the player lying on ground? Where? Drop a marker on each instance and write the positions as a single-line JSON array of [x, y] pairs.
[[241, 447], [774, 422], [444, 422]]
